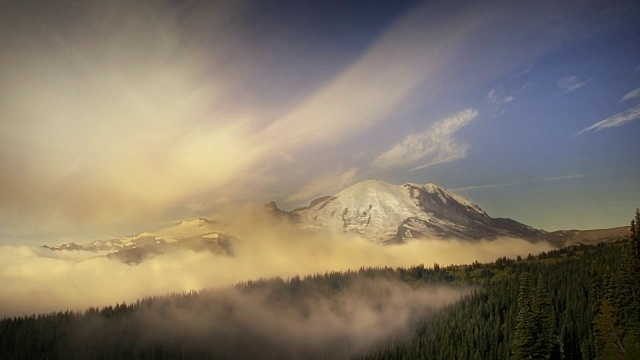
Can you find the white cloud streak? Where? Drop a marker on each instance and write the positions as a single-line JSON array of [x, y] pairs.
[[325, 185], [498, 100], [491, 186], [488, 186], [615, 120], [373, 86], [567, 177], [571, 83], [631, 95], [432, 146], [498, 97], [117, 113]]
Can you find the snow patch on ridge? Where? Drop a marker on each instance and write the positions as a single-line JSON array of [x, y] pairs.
[[198, 227]]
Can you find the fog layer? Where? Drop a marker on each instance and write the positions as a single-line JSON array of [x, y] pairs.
[[36, 279], [309, 319]]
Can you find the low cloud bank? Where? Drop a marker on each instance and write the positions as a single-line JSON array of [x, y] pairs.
[[244, 322], [39, 280]]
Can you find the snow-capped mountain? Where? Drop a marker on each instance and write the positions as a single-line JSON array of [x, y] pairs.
[[196, 234], [373, 209], [390, 213]]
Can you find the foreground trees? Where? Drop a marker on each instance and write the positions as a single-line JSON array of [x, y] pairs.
[[535, 336], [616, 297], [593, 292]]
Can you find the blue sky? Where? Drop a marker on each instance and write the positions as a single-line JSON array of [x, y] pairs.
[[117, 117]]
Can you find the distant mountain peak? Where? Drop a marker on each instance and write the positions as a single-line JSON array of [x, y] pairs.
[[195, 234], [390, 213], [373, 209]]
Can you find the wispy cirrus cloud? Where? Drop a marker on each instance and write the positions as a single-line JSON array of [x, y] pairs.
[[498, 100], [631, 95], [487, 186], [434, 145], [571, 83], [567, 177], [615, 120], [164, 102], [324, 185], [490, 186], [529, 68], [368, 89]]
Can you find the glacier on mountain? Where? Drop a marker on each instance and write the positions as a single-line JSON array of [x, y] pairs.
[[390, 213]]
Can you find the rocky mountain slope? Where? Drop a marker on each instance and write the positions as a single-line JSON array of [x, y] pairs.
[[195, 234], [390, 213]]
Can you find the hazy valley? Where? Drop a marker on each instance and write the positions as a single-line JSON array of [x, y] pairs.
[[336, 279], [308, 179]]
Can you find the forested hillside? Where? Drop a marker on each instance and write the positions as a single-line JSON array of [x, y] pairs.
[[552, 307], [576, 303]]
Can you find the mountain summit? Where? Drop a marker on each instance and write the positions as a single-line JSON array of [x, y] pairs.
[[390, 213], [374, 209]]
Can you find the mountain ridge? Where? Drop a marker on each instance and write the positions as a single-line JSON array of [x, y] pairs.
[[389, 213], [373, 209], [198, 234]]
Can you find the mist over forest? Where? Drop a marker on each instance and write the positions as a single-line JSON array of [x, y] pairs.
[[442, 179], [40, 280]]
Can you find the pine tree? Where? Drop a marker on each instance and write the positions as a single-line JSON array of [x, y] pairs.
[[631, 341], [625, 308], [524, 341], [634, 262], [595, 283], [637, 223], [547, 344], [607, 336], [617, 318]]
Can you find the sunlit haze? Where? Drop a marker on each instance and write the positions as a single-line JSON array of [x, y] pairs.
[[40, 280], [119, 117], [319, 179]]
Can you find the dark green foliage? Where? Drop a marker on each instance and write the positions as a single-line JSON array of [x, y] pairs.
[[486, 324], [608, 338], [535, 335], [526, 336], [617, 305], [545, 321]]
